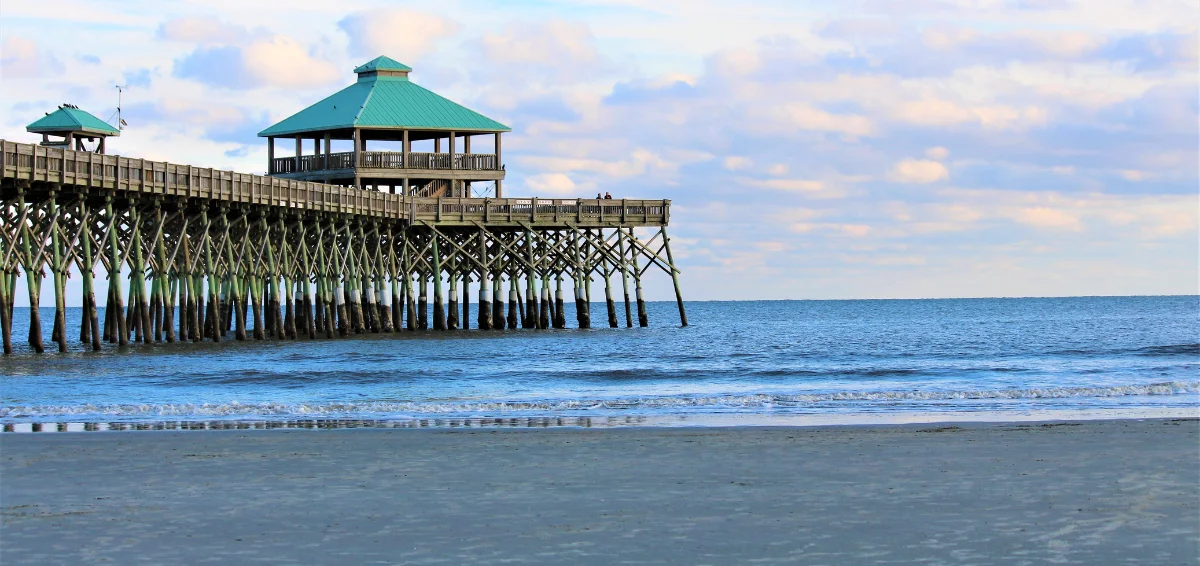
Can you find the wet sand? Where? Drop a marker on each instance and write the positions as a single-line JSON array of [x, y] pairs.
[[1097, 492]]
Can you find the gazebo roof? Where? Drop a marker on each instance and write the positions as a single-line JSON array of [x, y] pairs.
[[68, 119], [384, 98]]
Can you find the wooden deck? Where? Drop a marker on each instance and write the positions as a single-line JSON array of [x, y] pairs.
[[48, 165]]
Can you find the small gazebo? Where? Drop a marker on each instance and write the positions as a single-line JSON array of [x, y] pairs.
[[385, 106], [72, 126]]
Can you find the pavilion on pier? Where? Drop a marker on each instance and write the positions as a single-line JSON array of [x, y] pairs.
[[385, 108], [71, 126]]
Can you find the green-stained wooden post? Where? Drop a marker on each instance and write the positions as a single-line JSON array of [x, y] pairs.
[[498, 299], [289, 307], [582, 316], [271, 287], [114, 304], [320, 284], [512, 301], [439, 310], [33, 282], [608, 300], [60, 276], [5, 317], [235, 280], [643, 320], [531, 298], [674, 278], [311, 314], [397, 302], [520, 306], [423, 302], [338, 282], [560, 316], [195, 297], [452, 300], [466, 300], [212, 319], [624, 276], [353, 280], [545, 310], [138, 280], [410, 290], [155, 300], [485, 301], [166, 292], [183, 276], [254, 282]]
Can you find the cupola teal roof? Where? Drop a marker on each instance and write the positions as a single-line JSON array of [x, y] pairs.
[[384, 98], [382, 63], [69, 118]]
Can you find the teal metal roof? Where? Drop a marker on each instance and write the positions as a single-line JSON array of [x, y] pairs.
[[382, 63], [385, 102], [71, 119]]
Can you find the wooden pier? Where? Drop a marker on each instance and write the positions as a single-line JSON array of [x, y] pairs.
[[329, 244], [195, 253]]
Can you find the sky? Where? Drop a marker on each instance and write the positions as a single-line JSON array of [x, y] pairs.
[[811, 150]]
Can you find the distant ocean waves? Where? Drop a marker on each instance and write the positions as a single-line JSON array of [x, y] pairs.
[[1175, 393]]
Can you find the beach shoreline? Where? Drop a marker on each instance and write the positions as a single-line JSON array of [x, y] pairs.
[[1082, 491], [676, 420]]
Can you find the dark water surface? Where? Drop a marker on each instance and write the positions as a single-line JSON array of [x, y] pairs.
[[766, 357]]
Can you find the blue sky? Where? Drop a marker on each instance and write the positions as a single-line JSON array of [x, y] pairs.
[[864, 149]]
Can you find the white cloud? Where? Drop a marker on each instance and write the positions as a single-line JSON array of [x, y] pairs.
[[400, 33], [936, 112], [939, 153], [282, 62], [1043, 217], [551, 183], [918, 171], [201, 30], [20, 57], [737, 163], [806, 117], [556, 49]]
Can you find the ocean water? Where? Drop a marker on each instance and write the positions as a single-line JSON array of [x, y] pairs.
[[744, 358]]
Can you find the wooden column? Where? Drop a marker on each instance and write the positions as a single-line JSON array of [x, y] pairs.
[[270, 154], [499, 165], [405, 147], [298, 151], [355, 139], [454, 165]]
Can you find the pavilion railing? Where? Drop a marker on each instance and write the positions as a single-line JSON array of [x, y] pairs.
[[388, 160]]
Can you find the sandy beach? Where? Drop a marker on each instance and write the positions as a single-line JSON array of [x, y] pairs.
[[1098, 492]]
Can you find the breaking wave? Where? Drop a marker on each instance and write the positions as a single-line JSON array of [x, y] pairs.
[[623, 405]]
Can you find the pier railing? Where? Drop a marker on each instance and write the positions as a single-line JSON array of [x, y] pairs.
[[582, 212], [56, 165], [388, 160], [33, 163]]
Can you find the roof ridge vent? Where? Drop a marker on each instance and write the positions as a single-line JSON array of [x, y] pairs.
[[382, 66]]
